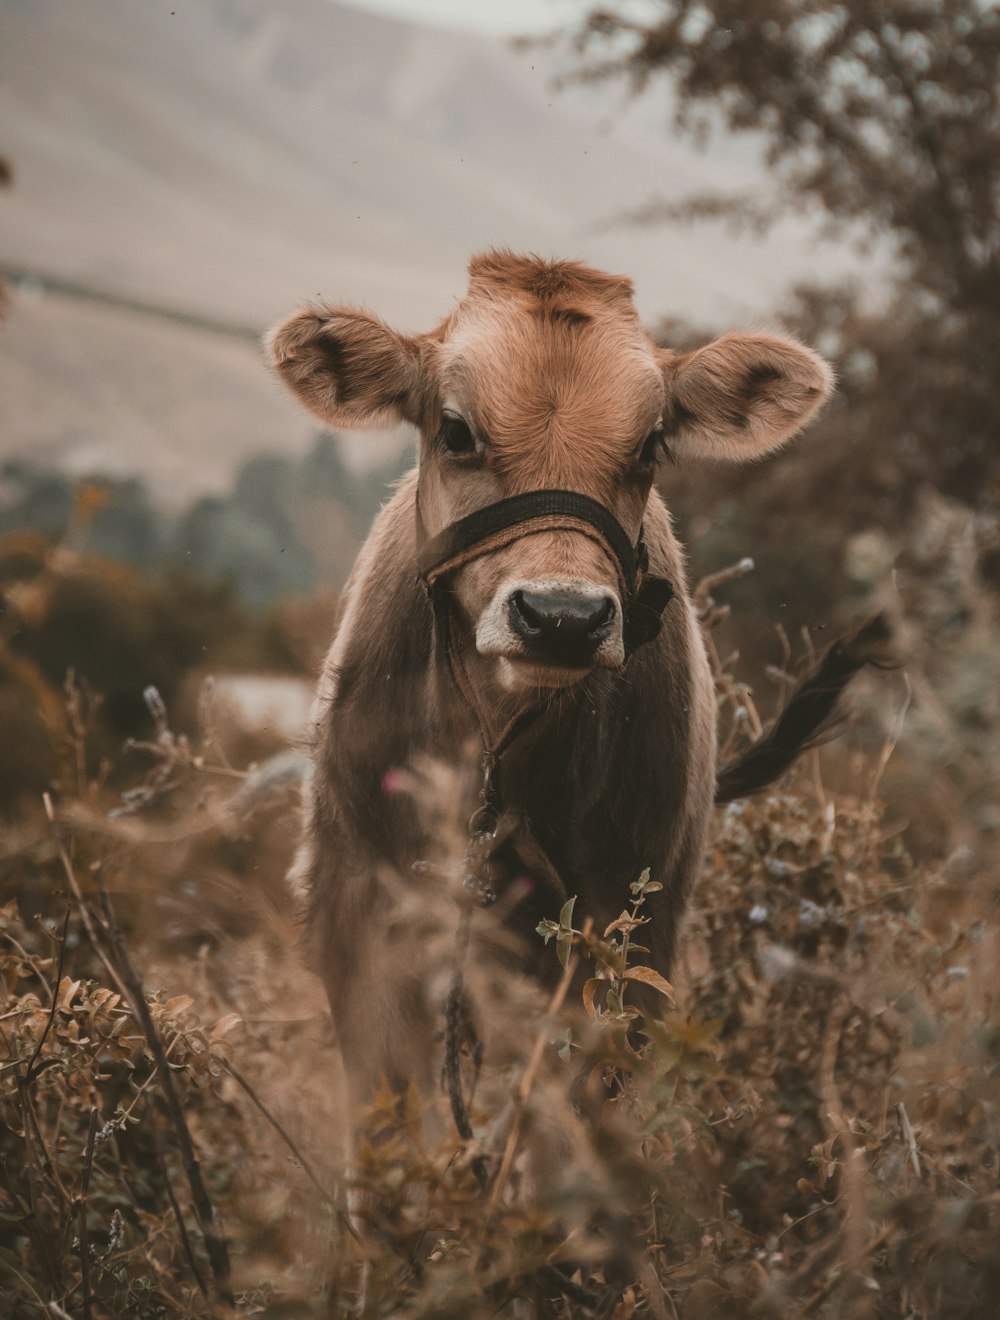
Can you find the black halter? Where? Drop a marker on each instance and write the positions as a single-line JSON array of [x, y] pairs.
[[644, 596]]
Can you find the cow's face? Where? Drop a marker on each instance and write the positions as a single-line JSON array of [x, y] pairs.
[[543, 378]]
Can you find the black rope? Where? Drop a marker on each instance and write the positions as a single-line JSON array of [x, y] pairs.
[[455, 1016]]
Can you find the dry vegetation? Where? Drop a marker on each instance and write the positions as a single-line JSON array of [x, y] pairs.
[[808, 1126]]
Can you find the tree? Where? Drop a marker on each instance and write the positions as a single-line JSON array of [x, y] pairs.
[[885, 113]]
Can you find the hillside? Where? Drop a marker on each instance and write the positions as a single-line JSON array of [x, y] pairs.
[[228, 158]]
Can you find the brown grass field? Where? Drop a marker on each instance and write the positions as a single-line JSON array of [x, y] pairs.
[[808, 1127]]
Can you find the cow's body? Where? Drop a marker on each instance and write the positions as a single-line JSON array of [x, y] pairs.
[[617, 775], [542, 377]]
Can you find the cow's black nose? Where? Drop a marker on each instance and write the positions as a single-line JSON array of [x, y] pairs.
[[567, 628]]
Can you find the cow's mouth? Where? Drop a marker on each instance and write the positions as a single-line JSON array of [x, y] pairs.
[[520, 673]]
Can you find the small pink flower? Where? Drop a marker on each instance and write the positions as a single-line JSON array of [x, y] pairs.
[[392, 781]]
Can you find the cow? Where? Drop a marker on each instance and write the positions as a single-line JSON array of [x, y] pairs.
[[523, 588]]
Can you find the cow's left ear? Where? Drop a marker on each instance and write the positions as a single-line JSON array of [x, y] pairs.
[[348, 367], [741, 396]]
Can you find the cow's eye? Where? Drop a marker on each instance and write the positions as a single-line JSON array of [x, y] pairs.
[[455, 436], [654, 446]]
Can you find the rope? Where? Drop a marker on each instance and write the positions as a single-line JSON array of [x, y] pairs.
[[456, 1016]]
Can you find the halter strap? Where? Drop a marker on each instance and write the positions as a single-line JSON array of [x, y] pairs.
[[499, 524], [644, 596]]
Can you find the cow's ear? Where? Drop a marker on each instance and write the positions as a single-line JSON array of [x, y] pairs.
[[347, 366], [741, 396]]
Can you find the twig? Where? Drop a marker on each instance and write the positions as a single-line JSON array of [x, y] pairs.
[[576, 1292], [852, 1176], [178, 1216], [215, 1240], [238, 1077], [31, 1219], [81, 1211], [85, 913], [891, 742], [528, 1079], [32, 962], [786, 680], [29, 1075], [48, 1167], [708, 584], [129, 984], [206, 718], [34, 1292], [654, 1292], [909, 1137], [826, 1288]]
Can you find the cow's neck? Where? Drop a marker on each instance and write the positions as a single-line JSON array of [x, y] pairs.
[[540, 738]]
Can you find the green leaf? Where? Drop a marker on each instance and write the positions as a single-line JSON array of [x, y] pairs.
[[564, 946], [566, 915], [639, 885]]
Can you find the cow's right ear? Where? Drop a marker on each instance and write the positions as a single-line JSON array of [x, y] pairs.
[[347, 366]]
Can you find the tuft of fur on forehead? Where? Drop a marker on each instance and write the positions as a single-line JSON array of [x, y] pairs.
[[547, 281], [551, 362]]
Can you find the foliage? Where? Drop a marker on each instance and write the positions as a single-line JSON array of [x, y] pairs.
[[885, 119], [65, 612], [288, 525], [885, 113], [804, 1122]]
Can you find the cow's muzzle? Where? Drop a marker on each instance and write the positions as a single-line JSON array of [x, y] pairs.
[[643, 595]]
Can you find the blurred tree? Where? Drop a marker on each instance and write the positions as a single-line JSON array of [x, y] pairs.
[[113, 517], [64, 612], [886, 114], [289, 525], [880, 118]]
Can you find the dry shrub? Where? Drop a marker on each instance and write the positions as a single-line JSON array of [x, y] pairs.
[[811, 1128]]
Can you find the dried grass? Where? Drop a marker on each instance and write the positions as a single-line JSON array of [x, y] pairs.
[[809, 1125]]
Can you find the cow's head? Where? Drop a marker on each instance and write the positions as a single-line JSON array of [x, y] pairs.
[[543, 378]]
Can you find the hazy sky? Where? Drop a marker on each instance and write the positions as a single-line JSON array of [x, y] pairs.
[[503, 17]]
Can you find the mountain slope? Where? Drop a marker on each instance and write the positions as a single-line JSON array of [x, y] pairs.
[[230, 158]]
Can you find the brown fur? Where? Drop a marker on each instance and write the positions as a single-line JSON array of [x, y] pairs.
[[743, 395], [560, 386]]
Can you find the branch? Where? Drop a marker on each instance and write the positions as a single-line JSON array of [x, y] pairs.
[[215, 1241]]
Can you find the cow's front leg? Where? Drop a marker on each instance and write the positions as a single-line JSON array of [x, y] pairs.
[[386, 990]]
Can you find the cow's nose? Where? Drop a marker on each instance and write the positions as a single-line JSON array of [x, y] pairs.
[[567, 628]]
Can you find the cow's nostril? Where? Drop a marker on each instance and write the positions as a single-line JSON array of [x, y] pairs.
[[602, 616], [558, 622], [522, 612]]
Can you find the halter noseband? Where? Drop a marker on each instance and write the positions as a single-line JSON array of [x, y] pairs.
[[644, 596]]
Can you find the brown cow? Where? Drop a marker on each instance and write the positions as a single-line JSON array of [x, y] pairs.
[[537, 636]]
